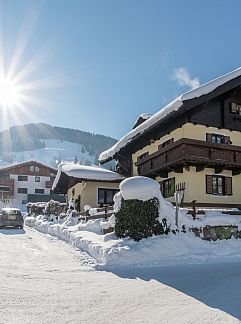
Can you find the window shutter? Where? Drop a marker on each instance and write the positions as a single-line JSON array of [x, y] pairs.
[[228, 186], [209, 184], [227, 140], [209, 137]]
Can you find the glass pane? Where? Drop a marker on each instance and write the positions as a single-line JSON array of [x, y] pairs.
[[101, 196], [109, 197]]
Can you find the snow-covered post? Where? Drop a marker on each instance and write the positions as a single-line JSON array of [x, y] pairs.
[[178, 198]]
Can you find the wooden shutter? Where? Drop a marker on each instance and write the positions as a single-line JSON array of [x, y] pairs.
[[228, 186], [209, 184], [227, 140], [209, 137]]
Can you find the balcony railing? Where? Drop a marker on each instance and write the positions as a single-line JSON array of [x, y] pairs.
[[191, 152]]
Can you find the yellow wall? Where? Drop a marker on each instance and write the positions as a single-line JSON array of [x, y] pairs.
[[195, 184], [191, 131], [89, 195], [196, 181]]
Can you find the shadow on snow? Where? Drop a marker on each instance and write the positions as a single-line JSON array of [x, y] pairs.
[[11, 231], [216, 285]]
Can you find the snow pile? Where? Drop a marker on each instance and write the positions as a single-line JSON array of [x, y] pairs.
[[170, 249], [143, 188], [173, 106], [158, 250]]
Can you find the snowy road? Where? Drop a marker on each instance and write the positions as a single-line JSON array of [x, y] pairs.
[[43, 280]]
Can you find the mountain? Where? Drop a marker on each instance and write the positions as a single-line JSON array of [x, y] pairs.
[[51, 144]]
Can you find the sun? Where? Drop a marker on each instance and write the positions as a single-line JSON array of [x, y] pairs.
[[10, 94]]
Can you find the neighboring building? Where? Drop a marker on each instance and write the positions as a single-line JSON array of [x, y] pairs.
[[25, 182], [88, 185], [194, 141]]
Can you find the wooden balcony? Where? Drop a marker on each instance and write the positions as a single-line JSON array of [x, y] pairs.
[[7, 183], [186, 152]]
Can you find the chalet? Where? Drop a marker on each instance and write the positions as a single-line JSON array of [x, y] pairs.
[[193, 142], [28, 181], [87, 185]]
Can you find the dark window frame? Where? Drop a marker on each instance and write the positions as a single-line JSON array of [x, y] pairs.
[[4, 176], [218, 189], [235, 108], [39, 191], [142, 156], [168, 187], [106, 191], [217, 139], [165, 144], [37, 177], [22, 178], [2, 188], [23, 190]]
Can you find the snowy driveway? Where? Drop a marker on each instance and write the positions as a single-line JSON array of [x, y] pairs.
[[43, 280]]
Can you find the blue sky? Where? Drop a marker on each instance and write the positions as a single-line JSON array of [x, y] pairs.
[[103, 63]]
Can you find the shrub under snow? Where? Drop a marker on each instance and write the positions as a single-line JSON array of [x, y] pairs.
[[141, 210]]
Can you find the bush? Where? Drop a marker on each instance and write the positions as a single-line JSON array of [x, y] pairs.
[[138, 219]]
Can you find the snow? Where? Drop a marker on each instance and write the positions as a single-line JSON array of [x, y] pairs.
[[139, 187], [45, 281], [175, 105], [54, 150], [86, 173], [108, 250]]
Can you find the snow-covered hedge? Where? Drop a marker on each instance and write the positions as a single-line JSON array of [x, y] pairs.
[[51, 207]]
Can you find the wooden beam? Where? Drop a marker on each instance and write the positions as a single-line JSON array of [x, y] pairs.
[[236, 172], [200, 168], [178, 169], [218, 170], [163, 174]]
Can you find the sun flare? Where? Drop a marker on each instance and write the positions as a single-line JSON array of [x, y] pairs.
[[9, 93]]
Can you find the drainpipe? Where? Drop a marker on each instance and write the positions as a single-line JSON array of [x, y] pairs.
[[84, 186]]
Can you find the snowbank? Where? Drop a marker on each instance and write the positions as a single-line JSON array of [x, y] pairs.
[[157, 250]]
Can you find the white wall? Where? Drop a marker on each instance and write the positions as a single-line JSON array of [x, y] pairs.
[[31, 185]]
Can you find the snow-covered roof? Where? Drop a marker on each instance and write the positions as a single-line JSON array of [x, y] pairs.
[[175, 105], [12, 165], [84, 172]]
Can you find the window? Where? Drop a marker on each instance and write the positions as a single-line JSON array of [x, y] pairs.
[[33, 168], [105, 196], [166, 143], [142, 156], [23, 190], [168, 187], [22, 178], [24, 202], [39, 191], [219, 185], [4, 189], [218, 139], [37, 179], [236, 109], [4, 176], [52, 175]]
